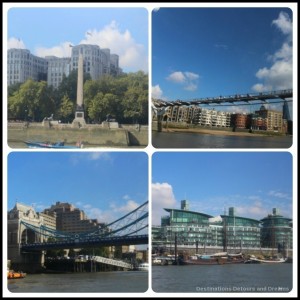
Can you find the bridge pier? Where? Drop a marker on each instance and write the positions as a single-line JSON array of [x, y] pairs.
[[28, 262], [157, 125]]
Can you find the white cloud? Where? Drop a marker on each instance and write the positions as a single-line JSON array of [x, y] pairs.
[[280, 195], [189, 80], [280, 75], [132, 55], [177, 77], [277, 77], [62, 50], [191, 87], [222, 46], [191, 76], [157, 93], [15, 43], [109, 215], [255, 210], [99, 156], [126, 208], [284, 23], [75, 159], [162, 197]]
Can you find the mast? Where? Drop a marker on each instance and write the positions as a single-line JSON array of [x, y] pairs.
[[225, 233], [176, 248]]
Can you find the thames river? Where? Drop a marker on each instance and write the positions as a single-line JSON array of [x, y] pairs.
[[197, 140], [100, 282], [231, 278]]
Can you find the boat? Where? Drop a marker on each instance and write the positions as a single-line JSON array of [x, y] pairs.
[[57, 145], [11, 274], [143, 267], [268, 261], [221, 258]]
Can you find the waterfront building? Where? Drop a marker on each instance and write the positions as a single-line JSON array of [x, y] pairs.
[[58, 67], [240, 232], [272, 119], [49, 219], [211, 117], [22, 65], [263, 119], [276, 231], [96, 62], [240, 120], [71, 219], [189, 227], [228, 231]]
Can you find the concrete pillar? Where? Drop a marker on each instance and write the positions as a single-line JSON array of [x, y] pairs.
[[80, 83], [79, 120]]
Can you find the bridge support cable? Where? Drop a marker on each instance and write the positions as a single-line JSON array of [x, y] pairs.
[[129, 229]]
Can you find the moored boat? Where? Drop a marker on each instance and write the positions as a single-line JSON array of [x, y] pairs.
[[11, 274], [268, 261], [57, 145], [214, 259], [143, 267]]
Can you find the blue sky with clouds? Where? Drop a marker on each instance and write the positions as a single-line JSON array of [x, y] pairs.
[[253, 182], [208, 52], [50, 30], [106, 185]]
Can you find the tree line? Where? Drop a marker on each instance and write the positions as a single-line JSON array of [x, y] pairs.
[[124, 98]]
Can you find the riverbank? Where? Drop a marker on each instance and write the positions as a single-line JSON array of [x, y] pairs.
[[91, 136], [220, 132]]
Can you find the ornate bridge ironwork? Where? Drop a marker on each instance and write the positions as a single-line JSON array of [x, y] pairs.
[[130, 229]]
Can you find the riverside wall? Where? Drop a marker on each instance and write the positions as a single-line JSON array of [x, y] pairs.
[[89, 135]]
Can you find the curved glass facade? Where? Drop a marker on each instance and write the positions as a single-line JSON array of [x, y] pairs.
[[228, 231], [276, 232]]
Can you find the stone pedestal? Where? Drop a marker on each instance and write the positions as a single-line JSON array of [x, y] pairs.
[[79, 120]]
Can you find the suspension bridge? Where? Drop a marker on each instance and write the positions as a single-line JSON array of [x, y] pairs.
[[127, 230], [29, 238], [280, 96]]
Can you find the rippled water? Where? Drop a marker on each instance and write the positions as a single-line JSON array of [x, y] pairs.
[[101, 282], [196, 140], [236, 278]]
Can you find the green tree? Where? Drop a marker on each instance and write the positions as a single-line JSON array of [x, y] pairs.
[[66, 109], [30, 101], [68, 86]]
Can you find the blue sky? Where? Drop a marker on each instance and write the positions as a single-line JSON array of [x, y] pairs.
[[253, 182], [106, 185], [49, 31], [208, 52]]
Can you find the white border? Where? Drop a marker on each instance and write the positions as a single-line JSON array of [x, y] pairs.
[[150, 149]]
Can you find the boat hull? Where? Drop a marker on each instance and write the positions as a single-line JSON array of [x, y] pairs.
[[264, 261], [15, 275], [48, 145]]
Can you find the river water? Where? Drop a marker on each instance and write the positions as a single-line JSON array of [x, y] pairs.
[[197, 140], [234, 278], [100, 282]]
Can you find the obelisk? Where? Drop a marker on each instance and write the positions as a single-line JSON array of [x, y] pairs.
[[79, 113]]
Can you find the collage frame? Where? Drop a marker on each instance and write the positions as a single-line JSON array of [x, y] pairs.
[[152, 152]]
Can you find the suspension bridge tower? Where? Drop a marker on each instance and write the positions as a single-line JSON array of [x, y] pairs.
[[18, 233]]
